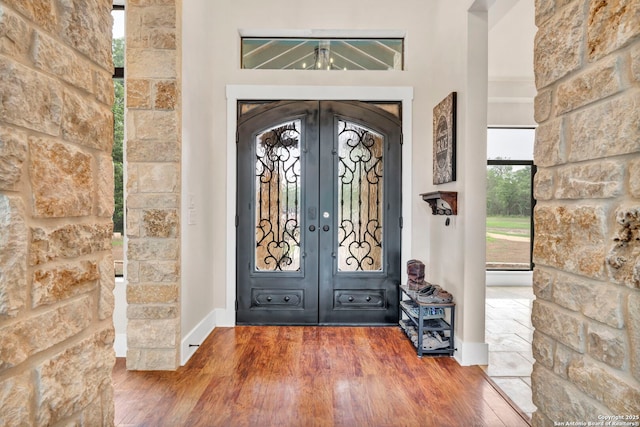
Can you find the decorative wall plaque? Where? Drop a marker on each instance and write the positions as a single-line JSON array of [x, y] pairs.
[[444, 140]]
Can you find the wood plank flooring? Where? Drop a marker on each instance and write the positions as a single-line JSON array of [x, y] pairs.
[[310, 376]]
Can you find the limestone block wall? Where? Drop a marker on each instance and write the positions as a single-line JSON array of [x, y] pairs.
[[153, 155], [587, 219], [56, 203]]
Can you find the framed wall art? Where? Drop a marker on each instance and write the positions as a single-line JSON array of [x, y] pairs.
[[444, 140]]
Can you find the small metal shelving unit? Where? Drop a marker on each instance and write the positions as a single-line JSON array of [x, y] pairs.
[[425, 322]]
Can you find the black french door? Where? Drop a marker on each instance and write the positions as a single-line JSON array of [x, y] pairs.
[[318, 213]]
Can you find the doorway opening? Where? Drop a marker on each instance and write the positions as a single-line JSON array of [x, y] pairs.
[[510, 202]]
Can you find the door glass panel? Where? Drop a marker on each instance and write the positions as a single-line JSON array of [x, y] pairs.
[[360, 203], [278, 198]]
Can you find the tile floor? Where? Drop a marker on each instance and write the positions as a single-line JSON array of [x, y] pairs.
[[509, 334]]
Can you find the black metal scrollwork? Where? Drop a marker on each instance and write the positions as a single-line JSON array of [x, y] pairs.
[[360, 197], [277, 198]]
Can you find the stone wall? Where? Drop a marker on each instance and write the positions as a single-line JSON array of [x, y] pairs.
[[56, 203], [153, 154], [587, 219]]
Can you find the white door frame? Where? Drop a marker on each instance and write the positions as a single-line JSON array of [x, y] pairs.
[[235, 93]]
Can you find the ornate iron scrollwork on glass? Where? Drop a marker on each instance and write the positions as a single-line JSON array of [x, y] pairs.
[[278, 198], [360, 198]]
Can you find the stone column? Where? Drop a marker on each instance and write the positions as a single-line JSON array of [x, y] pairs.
[[153, 154], [587, 219], [56, 204]]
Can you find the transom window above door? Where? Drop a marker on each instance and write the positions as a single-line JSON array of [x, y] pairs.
[[322, 53]]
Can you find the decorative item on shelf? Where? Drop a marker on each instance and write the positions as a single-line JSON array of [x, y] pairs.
[[444, 140], [415, 274], [442, 202]]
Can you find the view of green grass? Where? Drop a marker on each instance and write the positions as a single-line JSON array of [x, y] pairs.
[[517, 222], [509, 225]]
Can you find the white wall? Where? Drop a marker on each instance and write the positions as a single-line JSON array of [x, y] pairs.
[[511, 79], [120, 317], [437, 58], [203, 184], [458, 251], [511, 42]]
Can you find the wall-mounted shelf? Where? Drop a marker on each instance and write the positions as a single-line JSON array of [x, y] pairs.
[[449, 197]]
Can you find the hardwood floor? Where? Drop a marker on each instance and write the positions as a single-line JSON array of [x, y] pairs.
[[310, 376]]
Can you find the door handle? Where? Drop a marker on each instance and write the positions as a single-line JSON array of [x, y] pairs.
[[325, 227], [312, 228]]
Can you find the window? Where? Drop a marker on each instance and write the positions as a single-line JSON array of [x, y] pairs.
[[118, 137], [322, 54], [510, 172]]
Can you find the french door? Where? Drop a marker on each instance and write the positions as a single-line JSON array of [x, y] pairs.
[[318, 213]]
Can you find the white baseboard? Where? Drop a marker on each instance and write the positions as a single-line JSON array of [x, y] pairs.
[[225, 317], [509, 278], [471, 353], [196, 337], [120, 345]]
